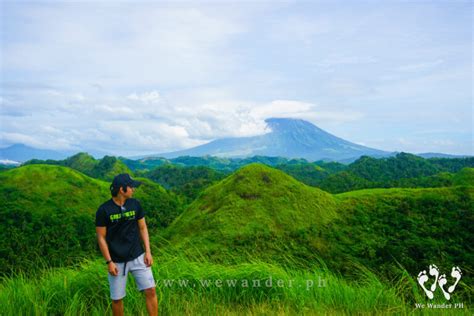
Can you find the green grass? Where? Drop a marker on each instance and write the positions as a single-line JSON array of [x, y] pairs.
[[84, 290]]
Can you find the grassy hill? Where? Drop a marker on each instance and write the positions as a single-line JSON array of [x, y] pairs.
[[252, 212], [48, 213], [105, 168], [260, 212], [383, 229]]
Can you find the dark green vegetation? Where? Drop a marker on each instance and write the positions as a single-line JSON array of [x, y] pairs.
[[160, 205], [403, 170], [384, 229], [7, 167], [144, 163], [186, 181], [47, 215], [216, 163]]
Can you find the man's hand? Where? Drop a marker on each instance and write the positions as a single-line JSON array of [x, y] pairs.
[[113, 268], [148, 259]]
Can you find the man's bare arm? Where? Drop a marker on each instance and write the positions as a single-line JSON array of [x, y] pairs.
[[146, 241], [101, 233], [144, 234]]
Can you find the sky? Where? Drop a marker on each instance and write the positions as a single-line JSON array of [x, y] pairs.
[[135, 77]]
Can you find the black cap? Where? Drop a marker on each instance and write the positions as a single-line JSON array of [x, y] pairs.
[[122, 180]]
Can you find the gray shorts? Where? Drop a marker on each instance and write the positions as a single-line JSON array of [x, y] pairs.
[[142, 274]]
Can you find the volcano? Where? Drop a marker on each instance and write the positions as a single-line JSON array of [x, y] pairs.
[[289, 138]]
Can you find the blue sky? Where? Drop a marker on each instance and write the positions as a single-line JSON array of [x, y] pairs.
[[135, 78]]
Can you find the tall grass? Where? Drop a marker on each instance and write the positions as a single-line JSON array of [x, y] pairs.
[[84, 290]]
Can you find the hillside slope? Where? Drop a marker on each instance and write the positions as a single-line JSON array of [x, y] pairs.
[[260, 212], [47, 214], [253, 211]]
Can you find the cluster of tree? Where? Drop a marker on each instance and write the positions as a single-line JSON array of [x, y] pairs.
[[216, 163], [402, 170], [188, 182]]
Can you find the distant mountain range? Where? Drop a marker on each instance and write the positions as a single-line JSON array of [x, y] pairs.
[[289, 138], [22, 153], [18, 153]]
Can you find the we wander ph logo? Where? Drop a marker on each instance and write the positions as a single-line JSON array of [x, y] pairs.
[[438, 280]]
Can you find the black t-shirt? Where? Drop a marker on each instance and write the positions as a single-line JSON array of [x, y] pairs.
[[123, 237]]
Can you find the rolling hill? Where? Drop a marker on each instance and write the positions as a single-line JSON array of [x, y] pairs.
[[47, 215], [260, 212], [249, 213], [106, 168]]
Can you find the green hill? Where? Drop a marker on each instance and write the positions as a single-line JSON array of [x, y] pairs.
[[260, 212], [255, 211], [464, 177], [48, 212], [105, 168], [385, 228], [401, 171], [47, 215]]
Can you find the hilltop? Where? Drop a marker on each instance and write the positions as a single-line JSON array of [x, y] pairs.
[[251, 212]]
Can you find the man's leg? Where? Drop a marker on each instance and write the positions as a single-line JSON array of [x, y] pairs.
[[118, 286], [146, 283], [151, 301], [117, 307]]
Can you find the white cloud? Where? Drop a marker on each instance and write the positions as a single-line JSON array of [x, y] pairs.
[[150, 44], [282, 108], [147, 97], [149, 121], [9, 162]]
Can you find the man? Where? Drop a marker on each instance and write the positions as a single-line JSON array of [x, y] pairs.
[[120, 222]]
